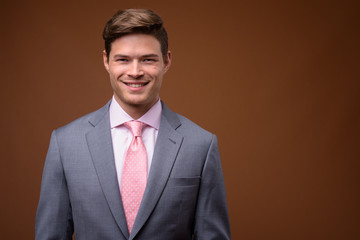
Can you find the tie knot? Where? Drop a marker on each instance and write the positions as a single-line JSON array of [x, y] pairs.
[[135, 127]]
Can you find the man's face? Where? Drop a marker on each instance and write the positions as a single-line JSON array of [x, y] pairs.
[[136, 68]]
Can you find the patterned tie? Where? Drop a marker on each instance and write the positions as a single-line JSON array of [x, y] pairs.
[[134, 174]]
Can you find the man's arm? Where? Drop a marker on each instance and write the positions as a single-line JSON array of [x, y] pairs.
[[53, 217], [212, 220]]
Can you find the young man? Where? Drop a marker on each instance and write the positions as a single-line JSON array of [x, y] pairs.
[[133, 169]]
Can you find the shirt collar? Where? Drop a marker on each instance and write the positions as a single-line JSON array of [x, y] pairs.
[[118, 116]]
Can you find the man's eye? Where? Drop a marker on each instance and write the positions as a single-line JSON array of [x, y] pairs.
[[121, 60], [149, 60]]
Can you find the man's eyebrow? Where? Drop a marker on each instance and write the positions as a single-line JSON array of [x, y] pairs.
[[150, 55], [120, 55], [142, 56]]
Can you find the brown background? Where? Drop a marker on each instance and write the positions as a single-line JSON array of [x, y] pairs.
[[277, 81]]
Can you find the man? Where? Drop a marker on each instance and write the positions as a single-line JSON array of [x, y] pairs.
[[133, 169]]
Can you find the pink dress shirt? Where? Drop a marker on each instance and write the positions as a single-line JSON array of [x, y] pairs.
[[121, 135]]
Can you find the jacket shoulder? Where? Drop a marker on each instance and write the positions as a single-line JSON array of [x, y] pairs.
[[82, 124], [193, 132], [185, 126]]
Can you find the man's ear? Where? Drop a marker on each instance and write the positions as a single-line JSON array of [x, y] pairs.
[[106, 61], [167, 61]]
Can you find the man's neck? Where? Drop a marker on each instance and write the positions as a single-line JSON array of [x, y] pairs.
[[135, 111]]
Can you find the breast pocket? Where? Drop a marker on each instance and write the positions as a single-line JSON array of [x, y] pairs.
[[183, 192], [183, 182], [176, 206]]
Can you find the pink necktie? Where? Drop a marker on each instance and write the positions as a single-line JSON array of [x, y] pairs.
[[134, 174]]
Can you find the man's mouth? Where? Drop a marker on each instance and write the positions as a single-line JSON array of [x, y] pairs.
[[135, 85]]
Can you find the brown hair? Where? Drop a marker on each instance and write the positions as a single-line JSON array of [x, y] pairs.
[[135, 21]]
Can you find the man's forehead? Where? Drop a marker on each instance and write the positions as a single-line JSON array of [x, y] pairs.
[[137, 38], [136, 45]]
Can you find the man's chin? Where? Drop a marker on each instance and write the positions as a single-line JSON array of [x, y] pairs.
[[142, 102], [138, 103]]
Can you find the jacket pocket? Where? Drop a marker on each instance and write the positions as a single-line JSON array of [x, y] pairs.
[[184, 182]]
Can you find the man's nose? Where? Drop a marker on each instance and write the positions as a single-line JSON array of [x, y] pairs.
[[135, 70]]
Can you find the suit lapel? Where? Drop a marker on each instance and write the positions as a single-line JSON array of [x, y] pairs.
[[166, 149], [100, 146]]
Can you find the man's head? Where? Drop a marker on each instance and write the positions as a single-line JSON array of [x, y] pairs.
[[130, 21], [136, 57]]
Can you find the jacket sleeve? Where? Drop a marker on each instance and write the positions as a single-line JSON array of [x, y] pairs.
[[212, 220], [53, 217]]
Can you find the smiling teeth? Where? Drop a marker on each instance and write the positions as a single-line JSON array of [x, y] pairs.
[[135, 85]]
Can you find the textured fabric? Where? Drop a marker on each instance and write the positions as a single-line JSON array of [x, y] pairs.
[[122, 137], [184, 198], [134, 175]]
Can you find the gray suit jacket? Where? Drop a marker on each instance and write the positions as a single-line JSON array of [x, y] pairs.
[[184, 197]]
